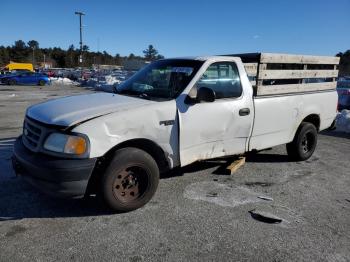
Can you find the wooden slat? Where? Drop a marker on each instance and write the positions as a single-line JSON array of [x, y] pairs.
[[293, 74], [235, 165], [251, 68], [295, 88], [298, 59]]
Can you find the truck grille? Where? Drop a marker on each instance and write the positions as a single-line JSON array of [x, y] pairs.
[[32, 135]]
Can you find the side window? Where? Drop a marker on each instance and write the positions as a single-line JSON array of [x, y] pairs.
[[223, 78]]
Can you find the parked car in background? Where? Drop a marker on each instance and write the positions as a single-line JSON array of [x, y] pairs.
[[6, 74], [26, 78], [343, 89]]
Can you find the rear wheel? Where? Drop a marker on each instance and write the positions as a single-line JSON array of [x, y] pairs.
[[130, 180], [12, 82], [41, 83], [304, 143]]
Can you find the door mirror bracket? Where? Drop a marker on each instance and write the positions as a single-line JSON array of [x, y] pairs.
[[205, 94]]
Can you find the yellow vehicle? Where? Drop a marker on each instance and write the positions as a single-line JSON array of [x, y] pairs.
[[19, 66]]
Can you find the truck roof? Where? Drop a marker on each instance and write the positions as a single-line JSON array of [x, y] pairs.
[[203, 58]]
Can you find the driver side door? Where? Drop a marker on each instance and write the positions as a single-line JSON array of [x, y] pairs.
[[219, 128]]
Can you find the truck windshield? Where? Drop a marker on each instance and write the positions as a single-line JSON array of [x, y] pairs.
[[161, 80]]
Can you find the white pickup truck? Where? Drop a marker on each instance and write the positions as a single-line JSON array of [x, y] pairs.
[[170, 114]]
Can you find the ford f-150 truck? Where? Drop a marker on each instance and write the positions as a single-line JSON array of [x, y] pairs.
[[170, 114]]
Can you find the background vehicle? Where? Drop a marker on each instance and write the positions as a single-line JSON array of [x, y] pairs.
[[172, 113], [343, 88], [19, 66], [26, 78]]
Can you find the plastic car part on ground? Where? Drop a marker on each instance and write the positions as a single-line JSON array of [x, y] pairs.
[[265, 217]]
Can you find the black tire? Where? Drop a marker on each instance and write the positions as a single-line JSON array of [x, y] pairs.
[[130, 180], [304, 143], [41, 83], [12, 82]]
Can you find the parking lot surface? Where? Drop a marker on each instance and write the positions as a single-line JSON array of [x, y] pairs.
[[198, 213]]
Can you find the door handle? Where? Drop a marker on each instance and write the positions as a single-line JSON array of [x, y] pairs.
[[244, 111]]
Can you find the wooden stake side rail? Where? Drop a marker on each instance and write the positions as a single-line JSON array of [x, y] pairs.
[[295, 88], [270, 58], [258, 73], [292, 74], [251, 68]]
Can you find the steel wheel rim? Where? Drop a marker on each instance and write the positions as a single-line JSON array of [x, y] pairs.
[[307, 142], [130, 183]]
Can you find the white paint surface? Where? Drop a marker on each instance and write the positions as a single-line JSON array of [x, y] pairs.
[[196, 132]]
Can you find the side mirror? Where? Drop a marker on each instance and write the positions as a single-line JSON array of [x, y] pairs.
[[205, 94]]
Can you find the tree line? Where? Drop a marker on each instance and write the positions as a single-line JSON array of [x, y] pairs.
[[31, 52]]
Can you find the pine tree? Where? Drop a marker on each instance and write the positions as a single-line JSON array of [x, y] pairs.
[[151, 53]]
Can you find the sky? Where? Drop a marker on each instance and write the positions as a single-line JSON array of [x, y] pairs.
[[182, 27]]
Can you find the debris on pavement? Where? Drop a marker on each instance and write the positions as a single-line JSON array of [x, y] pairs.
[[212, 194], [265, 198], [262, 184], [265, 217]]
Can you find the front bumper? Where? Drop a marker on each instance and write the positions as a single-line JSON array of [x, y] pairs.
[[55, 176]]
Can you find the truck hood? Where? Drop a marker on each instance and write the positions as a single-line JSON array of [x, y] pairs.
[[71, 110]]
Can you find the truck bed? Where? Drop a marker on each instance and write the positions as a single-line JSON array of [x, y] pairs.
[[277, 118], [287, 89]]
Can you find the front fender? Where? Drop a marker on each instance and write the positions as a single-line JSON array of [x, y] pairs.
[[110, 130]]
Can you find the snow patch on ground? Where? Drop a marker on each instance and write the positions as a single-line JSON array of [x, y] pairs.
[[102, 83], [62, 81], [111, 80], [343, 121], [220, 194]]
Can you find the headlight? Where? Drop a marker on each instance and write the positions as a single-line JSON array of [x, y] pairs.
[[68, 144]]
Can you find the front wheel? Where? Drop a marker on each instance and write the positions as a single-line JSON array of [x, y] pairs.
[[130, 180], [304, 143], [41, 83]]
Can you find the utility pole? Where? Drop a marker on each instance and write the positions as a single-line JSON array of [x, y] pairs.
[[33, 48], [81, 36]]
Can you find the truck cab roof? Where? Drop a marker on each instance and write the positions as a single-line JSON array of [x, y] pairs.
[[204, 58]]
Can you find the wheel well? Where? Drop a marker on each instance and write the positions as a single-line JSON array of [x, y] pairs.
[[144, 144], [313, 119]]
